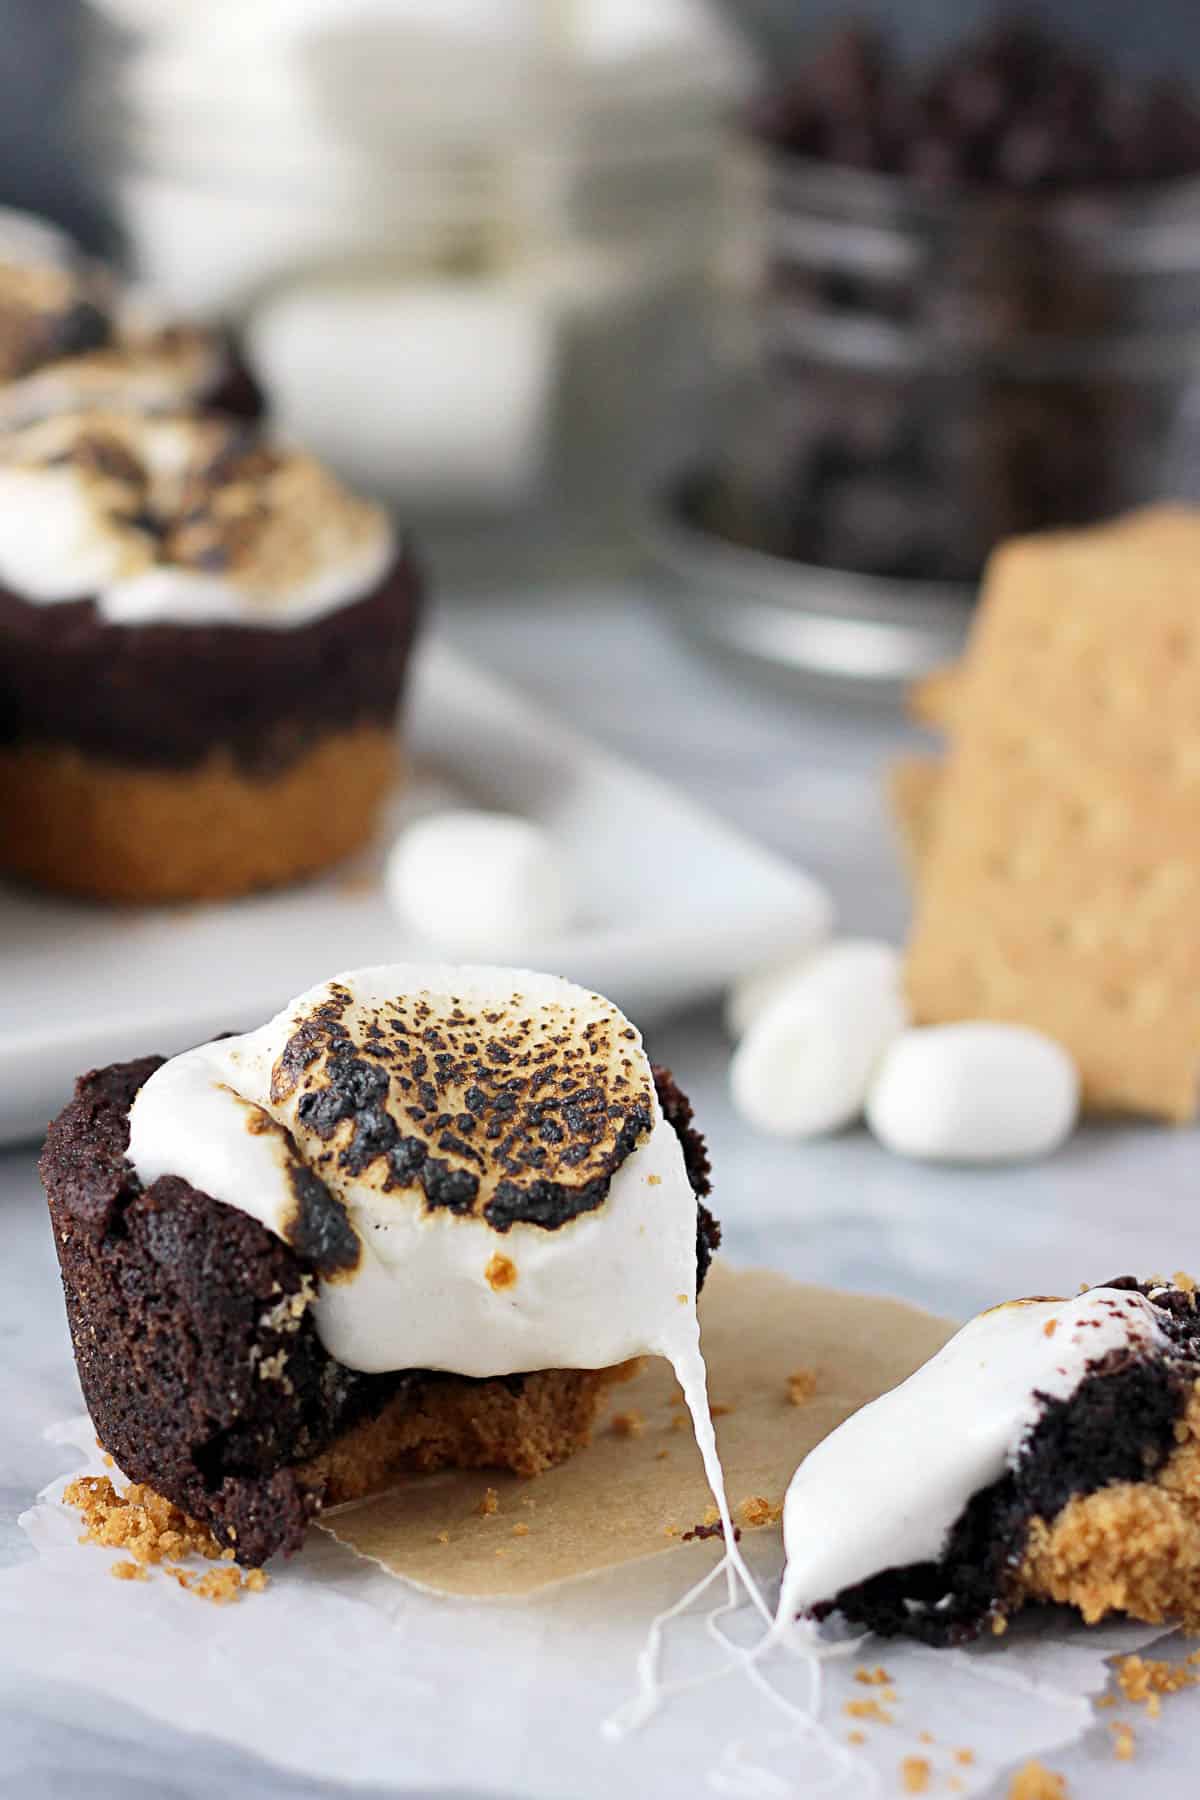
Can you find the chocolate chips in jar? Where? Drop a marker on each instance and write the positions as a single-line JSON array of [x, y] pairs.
[[975, 298]]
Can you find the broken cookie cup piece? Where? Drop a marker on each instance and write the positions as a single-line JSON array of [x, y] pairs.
[[422, 1218], [1049, 1452], [203, 644]]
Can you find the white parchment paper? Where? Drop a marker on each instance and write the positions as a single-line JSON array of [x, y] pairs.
[[341, 1671]]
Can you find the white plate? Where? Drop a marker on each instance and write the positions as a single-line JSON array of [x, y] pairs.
[[675, 904]]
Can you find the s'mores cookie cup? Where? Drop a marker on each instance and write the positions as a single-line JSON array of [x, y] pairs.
[[421, 1218], [73, 338], [203, 644], [1050, 1452]]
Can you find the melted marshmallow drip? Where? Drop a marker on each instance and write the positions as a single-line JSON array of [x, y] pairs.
[[680, 1344]]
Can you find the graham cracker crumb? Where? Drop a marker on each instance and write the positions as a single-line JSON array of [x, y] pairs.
[[520, 1529], [661, 1455], [1124, 1741], [489, 1504], [219, 1585], [915, 1773], [1142, 1679], [867, 1709], [1035, 1782], [128, 1571], [680, 1423], [801, 1386], [443, 1537], [718, 1411], [1050, 1327], [856, 1737], [1184, 1282], [155, 1533], [757, 1511], [654, 1181], [876, 1677], [965, 1757], [628, 1424], [926, 1737], [500, 1273]]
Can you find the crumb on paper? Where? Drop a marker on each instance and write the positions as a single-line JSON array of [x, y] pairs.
[[717, 1411], [682, 1299], [1124, 1740], [915, 1774], [520, 1529], [801, 1386], [155, 1533], [867, 1709], [628, 1424], [1036, 1782], [926, 1737], [1143, 1679], [679, 1422], [489, 1504], [856, 1737], [876, 1677], [755, 1511], [965, 1757], [443, 1537], [661, 1455]]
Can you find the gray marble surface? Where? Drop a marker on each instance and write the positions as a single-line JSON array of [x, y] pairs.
[[805, 777]]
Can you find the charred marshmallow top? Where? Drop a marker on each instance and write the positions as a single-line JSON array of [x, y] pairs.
[[473, 1159], [181, 520], [885, 1488]]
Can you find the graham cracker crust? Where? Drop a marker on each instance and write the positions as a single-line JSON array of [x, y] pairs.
[[1131, 1547], [115, 832], [527, 1426]]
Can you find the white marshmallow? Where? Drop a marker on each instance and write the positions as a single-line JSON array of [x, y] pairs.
[[885, 1488], [974, 1093], [616, 1281], [806, 1062], [478, 883]]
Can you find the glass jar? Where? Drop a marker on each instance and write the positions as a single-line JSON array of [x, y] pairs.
[[910, 377]]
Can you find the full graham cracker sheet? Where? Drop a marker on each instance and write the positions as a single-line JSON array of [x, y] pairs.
[[639, 1486], [1057, 851]]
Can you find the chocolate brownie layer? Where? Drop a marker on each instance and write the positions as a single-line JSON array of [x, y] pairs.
[[1120, 1427], [200, 1361], [168, 696]]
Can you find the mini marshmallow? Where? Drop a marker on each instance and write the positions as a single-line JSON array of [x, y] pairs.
[[478, 883], [974, 1093], [806, 1062]]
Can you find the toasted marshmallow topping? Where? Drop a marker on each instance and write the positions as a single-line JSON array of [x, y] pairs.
[[72, 340], [474, 1159], [180, 520], [885, 1488]]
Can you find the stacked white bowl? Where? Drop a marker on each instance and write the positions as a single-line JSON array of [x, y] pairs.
[[449, 228]]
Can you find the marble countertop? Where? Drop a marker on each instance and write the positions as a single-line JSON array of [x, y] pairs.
[[805, 776]]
